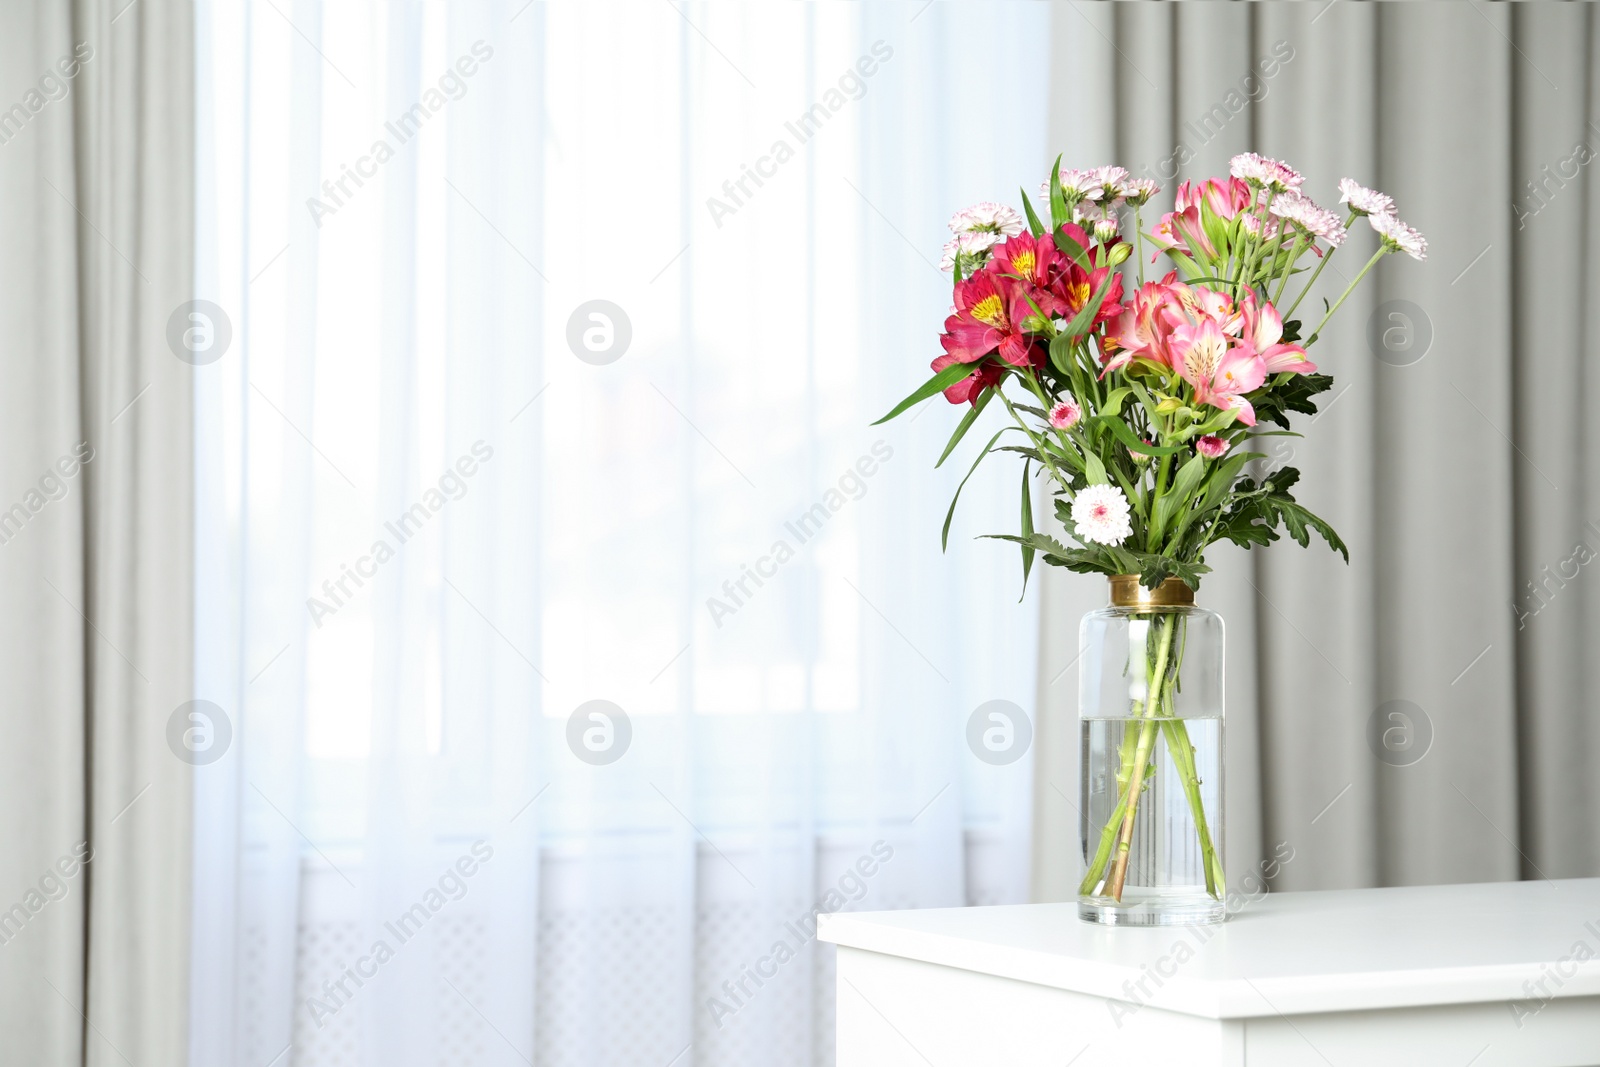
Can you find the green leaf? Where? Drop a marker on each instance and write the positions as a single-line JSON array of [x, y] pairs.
[[955, 269], [944, 534], [1027, 530], [1094, 469], [964, 425], [1297, 519], [1257, 512], [1069, 247], [1113, 403], [1121, 432], [1180, 496], [1035, 227], [1222, 479], [1293, 395], [1216, 230], [1061, 354], [1145, 401], [1188, 480], [1082, 560], [937, 384], [1058, 199]]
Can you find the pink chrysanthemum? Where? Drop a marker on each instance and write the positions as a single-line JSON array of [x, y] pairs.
[[1104, 185], [1066, 413], [1364, 201], [1075, 185], [1100, 514], [1099, 216], [1398, 236], [987, 217], [1252, 226], [1108, 182], [1261, 170], [1211, 446], [1138, 191], [1315, 219]]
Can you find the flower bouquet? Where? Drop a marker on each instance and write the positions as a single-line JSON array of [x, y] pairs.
[[1139, 402]]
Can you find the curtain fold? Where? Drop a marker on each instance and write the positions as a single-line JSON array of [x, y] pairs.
[[95, 540], [1456, 454]]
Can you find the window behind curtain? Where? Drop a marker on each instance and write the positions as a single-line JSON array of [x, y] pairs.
[[704, 532]]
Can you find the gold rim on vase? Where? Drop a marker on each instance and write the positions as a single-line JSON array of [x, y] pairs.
[[1126, 592]]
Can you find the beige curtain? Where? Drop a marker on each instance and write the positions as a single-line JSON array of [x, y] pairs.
[[95, 530], [1466, 477]]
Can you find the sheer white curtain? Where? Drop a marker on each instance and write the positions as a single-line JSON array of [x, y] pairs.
[[555, 337]]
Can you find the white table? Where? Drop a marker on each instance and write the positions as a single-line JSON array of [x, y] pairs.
[[1446, 975]]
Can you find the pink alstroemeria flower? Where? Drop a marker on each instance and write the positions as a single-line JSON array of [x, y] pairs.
[[1182, 228], [1219, 373], [1263, 332], [1143, 328]]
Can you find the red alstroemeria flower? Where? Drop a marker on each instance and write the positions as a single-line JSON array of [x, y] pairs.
[[1031, 259], [1073, 287], [989, 312], [970, 388]]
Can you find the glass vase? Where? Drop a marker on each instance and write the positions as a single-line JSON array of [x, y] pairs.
[[1150, 716]]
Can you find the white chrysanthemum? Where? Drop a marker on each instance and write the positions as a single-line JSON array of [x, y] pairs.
[[1310, 216], [1397, 235], [1364, 201], [973, 248], [1138, 191], [1100, 513], [987, 217]]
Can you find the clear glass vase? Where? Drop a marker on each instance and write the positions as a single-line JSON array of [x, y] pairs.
[[1150, 712]]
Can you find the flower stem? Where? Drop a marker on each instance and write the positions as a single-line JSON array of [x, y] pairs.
[[1294, 254], [1038, 442], [1317, 273], [1138, 229], [1382, 251]]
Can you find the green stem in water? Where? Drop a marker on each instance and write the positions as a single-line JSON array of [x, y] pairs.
[[1147, 736]]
